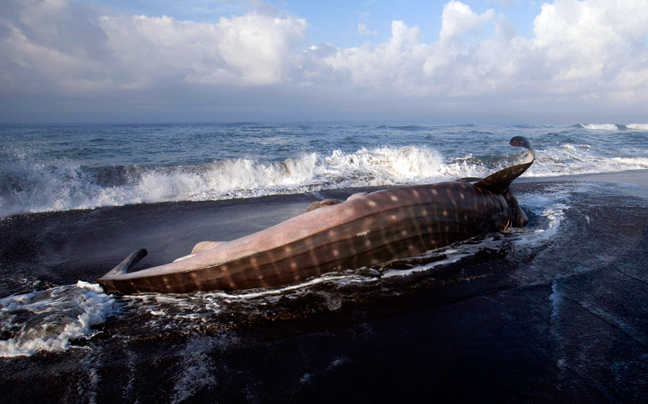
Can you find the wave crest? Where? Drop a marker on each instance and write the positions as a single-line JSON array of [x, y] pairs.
[[28, 187], [637, 126], [603, 126], [613, 126]]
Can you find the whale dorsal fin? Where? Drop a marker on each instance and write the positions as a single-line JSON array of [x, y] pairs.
[[500, 181]]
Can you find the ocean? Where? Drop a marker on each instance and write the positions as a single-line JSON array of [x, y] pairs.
[[555, 311], [61, 168]]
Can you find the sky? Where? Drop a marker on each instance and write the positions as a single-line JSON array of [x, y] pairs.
[[529, 61]]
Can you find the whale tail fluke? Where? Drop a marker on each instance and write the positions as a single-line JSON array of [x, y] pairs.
[[127, 263], [500, 181]]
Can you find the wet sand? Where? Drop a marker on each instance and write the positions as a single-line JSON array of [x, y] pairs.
[[635, 177], [63, 247]]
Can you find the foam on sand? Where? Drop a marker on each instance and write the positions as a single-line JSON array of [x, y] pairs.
[[49, 320]]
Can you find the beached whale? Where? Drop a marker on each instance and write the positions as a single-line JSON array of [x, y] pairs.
[[366, 229]]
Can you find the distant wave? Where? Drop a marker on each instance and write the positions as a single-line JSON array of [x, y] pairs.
[[28, 187], [638, 126], [613, 126], [409, 128], [603, 126]]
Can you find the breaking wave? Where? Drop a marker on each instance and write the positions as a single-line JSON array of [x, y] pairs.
[[28, 186], [571, 159], [613, 126], [596, 126]]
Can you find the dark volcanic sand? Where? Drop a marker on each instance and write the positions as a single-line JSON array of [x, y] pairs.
[[63, 247], [565, 320]]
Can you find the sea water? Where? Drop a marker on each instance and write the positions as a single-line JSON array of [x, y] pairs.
[[64, 167]]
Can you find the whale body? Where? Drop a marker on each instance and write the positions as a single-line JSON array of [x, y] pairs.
[[365, 230]]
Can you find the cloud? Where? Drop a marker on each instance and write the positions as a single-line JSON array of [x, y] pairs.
[[252, 49], [593, 39], [363, 30], [581, 49], [458, 18], [407, 65], [589, 53], [47, 44], [384, 65], [76, 50]]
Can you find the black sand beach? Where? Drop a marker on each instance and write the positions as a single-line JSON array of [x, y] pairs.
[[548, 314], [85, 244]]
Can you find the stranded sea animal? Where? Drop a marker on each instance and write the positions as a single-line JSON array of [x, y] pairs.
[[366, 229]]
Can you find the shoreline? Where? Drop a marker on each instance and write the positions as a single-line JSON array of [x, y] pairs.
[[63, 247], [635, 177]]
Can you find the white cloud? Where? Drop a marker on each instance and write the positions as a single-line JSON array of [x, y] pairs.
[[364, 30], [458, 18], [591, 39], [252, 49], [385, 65], [579, 48], [93, 53], [42, 42], [589, 52], [407, 65]]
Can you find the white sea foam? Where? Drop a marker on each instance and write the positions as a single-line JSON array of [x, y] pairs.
[[453, 254], [556, 300], [637, 126], [571, 159], [51, 319], [597, 126], [29, 187], [65, 186], [214, 302], [197, 369], [550, 208], [554, 216], [614, 126]]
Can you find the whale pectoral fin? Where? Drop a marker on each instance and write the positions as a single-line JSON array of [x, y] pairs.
[[206, 245], [184, 257], [500, 181], [314, 205], [127, 263], [200, 247], [356, 195]]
